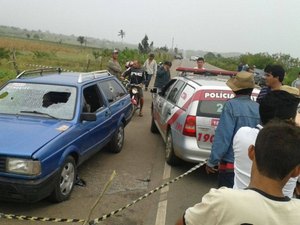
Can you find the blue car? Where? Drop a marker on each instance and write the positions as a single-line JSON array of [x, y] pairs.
[[50, 123]]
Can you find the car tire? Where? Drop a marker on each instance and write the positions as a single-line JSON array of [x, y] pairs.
[[153, 127], [171, 158], [64, 184], [116, 144]]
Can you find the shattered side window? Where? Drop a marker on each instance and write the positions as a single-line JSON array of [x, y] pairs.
[[38, 100]]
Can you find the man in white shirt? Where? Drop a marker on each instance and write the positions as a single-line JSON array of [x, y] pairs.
[[150, 68], [276, 105], [275, 159], [200, 63]]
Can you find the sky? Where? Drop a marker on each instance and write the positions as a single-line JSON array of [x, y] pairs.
[[244, 26]]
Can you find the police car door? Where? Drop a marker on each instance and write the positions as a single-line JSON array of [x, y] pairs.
[[170, 107]]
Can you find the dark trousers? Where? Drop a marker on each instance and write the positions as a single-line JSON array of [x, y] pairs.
[[148, 79], [226, 179]]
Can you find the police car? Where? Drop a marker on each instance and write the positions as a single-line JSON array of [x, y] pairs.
[[186, 112]]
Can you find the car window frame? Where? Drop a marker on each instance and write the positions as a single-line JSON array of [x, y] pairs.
[[175, 98], [115, 96]]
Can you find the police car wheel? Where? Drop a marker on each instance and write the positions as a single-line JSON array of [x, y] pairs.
[[171, 158], [153, 128]]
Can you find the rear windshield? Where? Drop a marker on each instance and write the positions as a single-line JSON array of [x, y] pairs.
[[210, 108]]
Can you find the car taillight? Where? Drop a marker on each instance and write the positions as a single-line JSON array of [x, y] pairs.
[[189, 128]]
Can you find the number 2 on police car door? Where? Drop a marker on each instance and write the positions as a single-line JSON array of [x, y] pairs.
[[219, 107]]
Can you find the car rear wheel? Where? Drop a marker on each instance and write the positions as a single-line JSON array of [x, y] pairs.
[[153, 128], [65, 182], [116, 144], [171, 158]]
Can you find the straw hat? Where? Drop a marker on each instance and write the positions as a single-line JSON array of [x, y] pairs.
[[242, 80]]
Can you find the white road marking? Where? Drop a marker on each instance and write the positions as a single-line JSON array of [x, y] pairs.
[[161, 213], [162, 205]]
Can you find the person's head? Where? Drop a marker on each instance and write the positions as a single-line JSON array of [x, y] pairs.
[[115, 54], [200, 62], [278, 104], [274, 75], [276, 153], [151, 56], [167, 65], [136, 64], [242, 83]]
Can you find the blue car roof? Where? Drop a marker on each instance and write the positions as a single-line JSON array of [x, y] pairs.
[[64, 78]]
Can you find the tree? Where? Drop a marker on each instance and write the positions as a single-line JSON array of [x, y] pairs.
[[144, 46], [28, 35], [121, 34], [36, 36], [81, 39], [209, 55]]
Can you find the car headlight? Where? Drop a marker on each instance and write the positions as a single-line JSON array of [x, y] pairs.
[[23, 166]]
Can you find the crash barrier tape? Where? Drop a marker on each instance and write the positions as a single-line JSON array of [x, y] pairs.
[[104, 217], [42, 66], [98, 220]]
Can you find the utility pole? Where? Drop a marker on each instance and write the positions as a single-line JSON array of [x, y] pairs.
[[172, 44]]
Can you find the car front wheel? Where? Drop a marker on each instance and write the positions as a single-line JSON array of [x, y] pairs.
[[116, 144], [171, 158], [65, 182]]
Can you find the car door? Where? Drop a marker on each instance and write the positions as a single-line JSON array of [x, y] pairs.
[[95, 134], [168, 110], [117, 101]]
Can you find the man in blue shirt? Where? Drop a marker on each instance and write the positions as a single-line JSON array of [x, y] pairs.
[[238, 112]]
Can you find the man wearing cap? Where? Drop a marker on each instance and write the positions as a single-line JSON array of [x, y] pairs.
[[278, 104], [274, 75], [163, 75], [237, 112], [113, 65]]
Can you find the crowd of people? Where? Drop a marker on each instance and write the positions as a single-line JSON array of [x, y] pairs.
[[256, 154], [255, 149], [141, 75]]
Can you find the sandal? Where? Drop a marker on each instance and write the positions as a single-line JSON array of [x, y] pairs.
[[140, 114]]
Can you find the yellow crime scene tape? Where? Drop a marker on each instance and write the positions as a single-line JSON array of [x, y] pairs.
[[104, 217]]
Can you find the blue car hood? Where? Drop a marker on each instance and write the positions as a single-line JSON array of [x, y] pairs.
[[23, 137]]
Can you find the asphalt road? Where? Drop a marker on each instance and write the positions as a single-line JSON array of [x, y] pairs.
[[139, 168]]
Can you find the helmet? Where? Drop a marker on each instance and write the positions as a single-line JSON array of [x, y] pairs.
[[128, 64]]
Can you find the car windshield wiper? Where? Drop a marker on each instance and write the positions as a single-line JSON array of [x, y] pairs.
[[39, 113]]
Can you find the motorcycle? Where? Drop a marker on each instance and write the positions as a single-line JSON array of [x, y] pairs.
[[133, 90]]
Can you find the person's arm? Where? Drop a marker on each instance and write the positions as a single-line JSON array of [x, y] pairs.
[[155, 68], [223, 136], [126, 73]]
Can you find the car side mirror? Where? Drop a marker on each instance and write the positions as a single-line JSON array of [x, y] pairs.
[[88, 117]]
